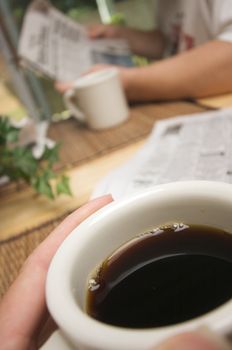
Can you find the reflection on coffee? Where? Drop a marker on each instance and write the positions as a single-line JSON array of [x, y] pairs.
[[166, 276]]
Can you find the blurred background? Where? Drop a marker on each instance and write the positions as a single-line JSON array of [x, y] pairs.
[[23, 92]]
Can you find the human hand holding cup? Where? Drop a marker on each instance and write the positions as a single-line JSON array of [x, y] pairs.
[[196, 203], [98, 100]]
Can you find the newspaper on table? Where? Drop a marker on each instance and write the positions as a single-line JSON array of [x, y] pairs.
[[57, 46], [191, 147]]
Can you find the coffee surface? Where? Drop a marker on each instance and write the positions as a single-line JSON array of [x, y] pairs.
[[163, 277]]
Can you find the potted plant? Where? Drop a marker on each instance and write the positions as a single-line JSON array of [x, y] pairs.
[[17, 162]]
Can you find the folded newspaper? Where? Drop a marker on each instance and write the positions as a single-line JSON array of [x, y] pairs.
[[191, 147], [57, 46]]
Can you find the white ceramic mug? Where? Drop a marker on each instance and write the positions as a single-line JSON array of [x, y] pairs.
[[98, 99], [193, 202]]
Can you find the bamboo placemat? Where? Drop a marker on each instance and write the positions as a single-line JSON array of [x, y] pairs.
[[79, 145], [14, 251]]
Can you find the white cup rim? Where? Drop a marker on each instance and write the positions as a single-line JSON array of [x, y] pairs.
[[58, 290], [95, 78]]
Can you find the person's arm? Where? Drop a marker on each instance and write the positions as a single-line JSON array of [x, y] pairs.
[[199, 72], [145, 43]]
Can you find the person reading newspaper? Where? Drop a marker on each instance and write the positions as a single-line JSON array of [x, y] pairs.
[[194, 40]]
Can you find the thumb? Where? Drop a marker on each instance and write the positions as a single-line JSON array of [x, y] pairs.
[[63, 86], [194, 341]]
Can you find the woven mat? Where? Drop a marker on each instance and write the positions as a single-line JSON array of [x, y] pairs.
[[14, 251], [80, 144]]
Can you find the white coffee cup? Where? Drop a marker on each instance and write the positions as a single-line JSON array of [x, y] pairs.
[[193, 202], [98, 99]]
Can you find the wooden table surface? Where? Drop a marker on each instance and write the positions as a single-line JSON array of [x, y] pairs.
[[23, 210], [220, 101]]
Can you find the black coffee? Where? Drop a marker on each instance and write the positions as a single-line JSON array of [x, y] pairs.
[[166, 276]]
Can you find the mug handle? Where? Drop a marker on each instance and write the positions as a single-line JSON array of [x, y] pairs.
[[57, 341], [76, 112]]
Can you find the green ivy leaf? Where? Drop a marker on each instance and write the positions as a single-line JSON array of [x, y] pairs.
[[8, 133], [43, 186], [49, 174], [13, 135], [63, 186], [18, 162], [25, 161], [51, 154]]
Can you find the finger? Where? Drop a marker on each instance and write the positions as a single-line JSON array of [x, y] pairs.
[[45, 331], [23, 307], [46, 250], [63, 86], [96, 31], [194, 341]]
